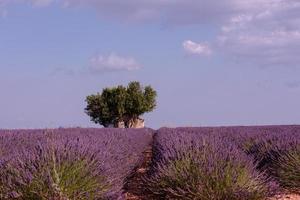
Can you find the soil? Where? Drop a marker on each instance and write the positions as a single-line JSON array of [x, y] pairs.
[[286, 197], [134, 187]]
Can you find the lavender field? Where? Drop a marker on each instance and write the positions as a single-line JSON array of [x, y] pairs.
[[68, 163], [226, 163]]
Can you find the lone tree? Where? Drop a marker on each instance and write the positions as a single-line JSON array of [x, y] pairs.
[[121, 106]]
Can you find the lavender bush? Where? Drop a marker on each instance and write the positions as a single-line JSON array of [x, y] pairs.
[[68, 163], [199, 164], [286, 170], [276, 149]]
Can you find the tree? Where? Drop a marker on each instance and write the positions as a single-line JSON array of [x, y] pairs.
[[121, 105]]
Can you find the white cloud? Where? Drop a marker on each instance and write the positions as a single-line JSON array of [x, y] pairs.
[[293, 84], [266, 36], [168, 12], [256, 32], [41, 3], [165, 11], [196, 48], [113, 62], [260, 32]]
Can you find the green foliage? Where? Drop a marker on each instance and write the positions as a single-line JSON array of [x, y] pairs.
[[52, 178], [278, 160], [285, 169], [107, 107], [120, 104]]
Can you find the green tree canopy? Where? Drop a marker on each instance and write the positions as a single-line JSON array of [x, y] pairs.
[[120, 104]]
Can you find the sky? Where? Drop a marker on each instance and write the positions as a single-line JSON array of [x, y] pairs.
[[213, 63]]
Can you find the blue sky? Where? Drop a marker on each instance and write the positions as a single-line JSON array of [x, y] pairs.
[[213, 63]]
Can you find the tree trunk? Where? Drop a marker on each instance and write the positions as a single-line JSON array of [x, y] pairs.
[[135, 123], [119, 124]]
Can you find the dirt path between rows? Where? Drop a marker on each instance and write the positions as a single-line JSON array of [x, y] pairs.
[[286, 197], [134, 187]]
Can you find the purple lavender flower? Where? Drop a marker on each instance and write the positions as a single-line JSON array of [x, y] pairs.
[[68, 163]]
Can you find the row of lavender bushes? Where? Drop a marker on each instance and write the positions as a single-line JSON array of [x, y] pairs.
[[66, 164], [231, 163]]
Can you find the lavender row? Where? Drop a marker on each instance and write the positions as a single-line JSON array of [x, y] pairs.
[[68, 163], [225, 163]]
